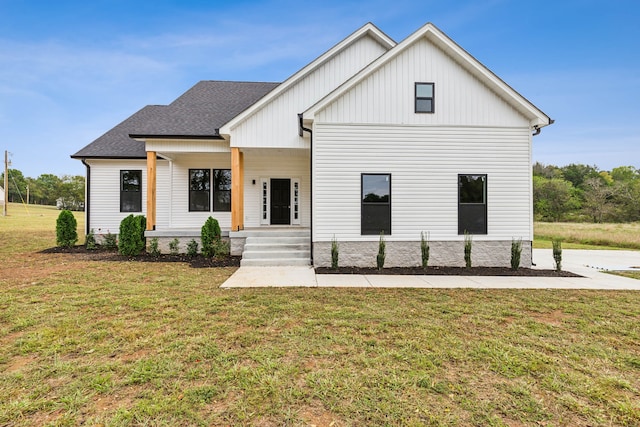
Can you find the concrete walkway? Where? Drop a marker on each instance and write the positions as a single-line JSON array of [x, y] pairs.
[[589, 264]]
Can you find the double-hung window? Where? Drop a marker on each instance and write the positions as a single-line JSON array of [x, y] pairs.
[[376, 203], [201, 181], [199, 190], [472, 204], [222, 190], [130, 191], [425, 98]]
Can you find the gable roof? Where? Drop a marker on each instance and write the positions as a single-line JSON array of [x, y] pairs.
[[201, 110], [198, 113], [467, 61], [368, 29]]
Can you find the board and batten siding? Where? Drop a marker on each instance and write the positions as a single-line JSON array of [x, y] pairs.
[[424, 163], [265, 164], [276, 124], [105, 193], [387, 95]]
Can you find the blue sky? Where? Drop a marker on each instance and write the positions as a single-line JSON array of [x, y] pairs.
[[71, 70]]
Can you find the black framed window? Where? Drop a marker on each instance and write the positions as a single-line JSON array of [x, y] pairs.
[[472, 204], [222, 190], [376, 203], [425, 97], [130, 191], [199, 190]]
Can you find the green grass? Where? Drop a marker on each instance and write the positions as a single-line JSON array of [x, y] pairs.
[[587, 235], [127, 343]]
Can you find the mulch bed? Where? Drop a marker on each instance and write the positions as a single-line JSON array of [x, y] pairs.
[[448, 271], [101, 254]]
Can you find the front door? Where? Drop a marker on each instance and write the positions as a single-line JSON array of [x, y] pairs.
[[280, 201]]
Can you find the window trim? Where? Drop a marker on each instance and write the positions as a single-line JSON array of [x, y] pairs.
[[418, 98], [363, 204], [122, 190], [192, 191], [485, 231]]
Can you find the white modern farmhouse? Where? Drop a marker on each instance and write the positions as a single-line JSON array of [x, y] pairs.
[[372, 137]]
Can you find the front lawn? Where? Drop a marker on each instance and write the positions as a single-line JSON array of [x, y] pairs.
[[129, 343]]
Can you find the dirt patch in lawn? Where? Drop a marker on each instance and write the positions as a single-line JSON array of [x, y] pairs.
[[197, 261], [448, 271]]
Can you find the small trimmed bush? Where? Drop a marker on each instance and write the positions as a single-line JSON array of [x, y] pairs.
[[335, 249], [192, 248], [90, 241], [516, 251], [468, 243], [66, 229], [154, 247], [174, 246], [221, 249], [424, 249], [110, 241], [557, 253], [132, 241], [210, 237], [381, 252]]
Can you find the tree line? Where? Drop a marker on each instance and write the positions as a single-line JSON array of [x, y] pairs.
[[578, 192], [66, 191]]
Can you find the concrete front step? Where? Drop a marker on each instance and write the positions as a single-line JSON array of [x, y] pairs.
[[275, 262], [276, 248], [276, 254]]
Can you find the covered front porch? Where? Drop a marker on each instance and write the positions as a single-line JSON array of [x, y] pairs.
[[267, 195]]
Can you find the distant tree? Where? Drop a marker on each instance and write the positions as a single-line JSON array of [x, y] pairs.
[[553, 198], [45, 189], [577, 174], [598, 203], [71, 193], [626, 198], [625, 173], [17, 185], [546, 171]]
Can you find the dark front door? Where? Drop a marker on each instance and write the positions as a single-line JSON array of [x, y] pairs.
[[281, 201]]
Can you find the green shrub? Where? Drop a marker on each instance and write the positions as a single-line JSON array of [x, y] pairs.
[[210, 236], [66, 229], [110, 241], [381, 252], [557, 253], [174, 246], [335, 252], [424, 249], [154, 249], [90, 241], [132, 240], [192, 248], [221, 249], [468, 243], [516, 251]]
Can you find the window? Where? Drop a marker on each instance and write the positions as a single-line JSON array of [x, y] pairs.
[[130, 191], [425, 97], [199, 190], [472, 204], [376, 204], [222, 190]]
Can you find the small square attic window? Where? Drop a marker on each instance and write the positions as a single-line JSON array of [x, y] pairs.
[[425, 97]]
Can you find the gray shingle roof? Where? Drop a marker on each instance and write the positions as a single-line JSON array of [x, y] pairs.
[[199, 112]]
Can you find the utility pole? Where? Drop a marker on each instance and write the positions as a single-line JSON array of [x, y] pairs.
[[6, 183]]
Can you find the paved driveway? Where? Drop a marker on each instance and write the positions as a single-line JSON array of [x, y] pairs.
[[585, 263]]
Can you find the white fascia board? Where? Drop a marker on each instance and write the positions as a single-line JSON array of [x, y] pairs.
[[536, 116], [368, 29]]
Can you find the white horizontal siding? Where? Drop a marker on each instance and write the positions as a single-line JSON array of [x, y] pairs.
[[388, 94], [104, 197], [276, 124], [424, 162], [259, 164]]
